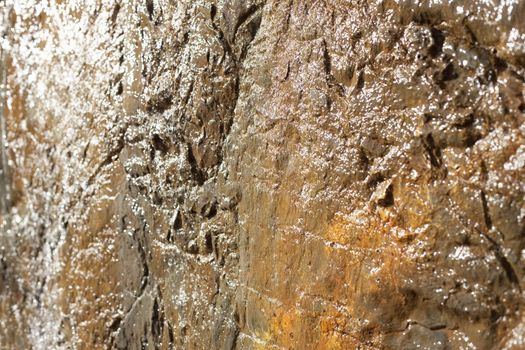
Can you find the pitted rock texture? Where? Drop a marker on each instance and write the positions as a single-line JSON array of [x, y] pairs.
[[264, 175]]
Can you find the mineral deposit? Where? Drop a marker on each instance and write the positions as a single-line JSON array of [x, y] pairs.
[[263, 174]]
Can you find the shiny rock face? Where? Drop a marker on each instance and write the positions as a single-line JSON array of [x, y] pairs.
[[264, 175]]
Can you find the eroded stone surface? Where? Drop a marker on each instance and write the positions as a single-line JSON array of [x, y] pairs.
[[265, 174]]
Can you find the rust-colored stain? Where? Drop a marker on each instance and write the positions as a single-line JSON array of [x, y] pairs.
[[264, 174]]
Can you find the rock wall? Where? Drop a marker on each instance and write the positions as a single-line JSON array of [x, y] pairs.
[[254, 174]]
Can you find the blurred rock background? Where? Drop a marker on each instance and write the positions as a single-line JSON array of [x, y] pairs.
[[291, 174]]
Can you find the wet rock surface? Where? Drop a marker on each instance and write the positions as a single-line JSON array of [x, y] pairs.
[[264, 174]]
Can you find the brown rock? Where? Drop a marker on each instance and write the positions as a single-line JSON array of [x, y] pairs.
[[263, 174]]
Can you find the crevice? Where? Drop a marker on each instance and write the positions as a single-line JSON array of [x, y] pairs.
[[447, 74], [250, 14], [150, 8], [170, 334], [120, 88], [439, 40], [433, 151], [114, 14], [198, 175], [509, 270], [327, 61], [469, 32], [433, 327], [145, 269], [213, 12], [156, 323], [486, 212], [506, 265], [115, 324], [188, 94], [160, 102], [159, 144]]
